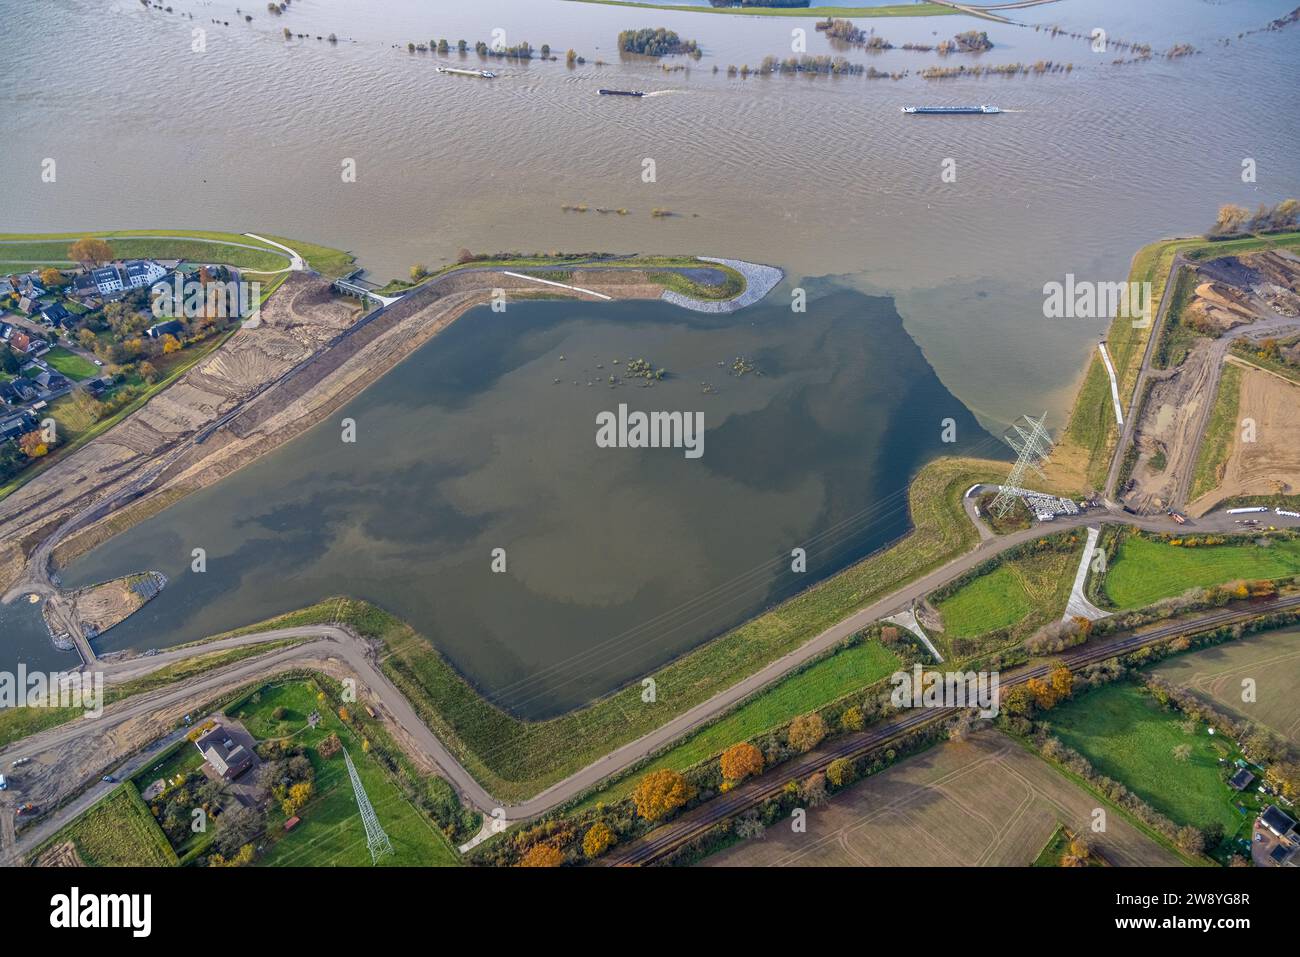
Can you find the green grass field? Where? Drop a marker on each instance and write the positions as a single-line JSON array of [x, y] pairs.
[[119, 831], [70, 364], [1217, 444], [22, 252], [1145, 571], [178, 759], [516, 759], [1011, 593], [330, 833], [995, 600], [1127, 736], [820, 684]]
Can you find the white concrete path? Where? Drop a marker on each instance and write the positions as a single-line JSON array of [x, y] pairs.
[[908, 620], [1079, 606]]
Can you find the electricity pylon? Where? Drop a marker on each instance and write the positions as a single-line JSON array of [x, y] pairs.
[[376, 840], [1032, 446]]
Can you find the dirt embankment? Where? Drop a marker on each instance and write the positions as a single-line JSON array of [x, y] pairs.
[[99, 607], [273, 408], [297, 322]]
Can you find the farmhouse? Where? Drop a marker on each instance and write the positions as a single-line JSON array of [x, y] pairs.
[[1241, 780], [228, 759], [173, 327]]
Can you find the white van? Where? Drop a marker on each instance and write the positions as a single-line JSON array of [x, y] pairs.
[[3, 783]]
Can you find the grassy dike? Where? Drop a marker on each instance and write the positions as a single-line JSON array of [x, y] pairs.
[[30, 250], [566, 263], [887, 10], [516, 759], [1089, 439], [1216, 446]]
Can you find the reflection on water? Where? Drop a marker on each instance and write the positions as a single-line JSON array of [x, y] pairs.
[[616, 559], [24, 638]]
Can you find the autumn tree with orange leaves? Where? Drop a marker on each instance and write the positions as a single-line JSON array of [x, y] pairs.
[[599, 838], [90, 252], [542, 855], [741, 761], [660, 793], [806, 731]]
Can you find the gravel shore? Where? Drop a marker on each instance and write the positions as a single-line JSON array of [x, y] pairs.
[[759, 281]]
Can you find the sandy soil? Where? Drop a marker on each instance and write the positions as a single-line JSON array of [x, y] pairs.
[[1170, 423], [99, 607], [1218, 306], [1252, 295], [1271, 464], [983, 802]]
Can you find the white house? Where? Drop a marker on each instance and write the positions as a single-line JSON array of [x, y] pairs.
[[107, 280], [142, 272]]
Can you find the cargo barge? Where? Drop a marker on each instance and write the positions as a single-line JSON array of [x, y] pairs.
[[481, 74], [949, 110]]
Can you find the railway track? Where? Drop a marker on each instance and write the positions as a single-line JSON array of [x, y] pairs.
[[697, 822]]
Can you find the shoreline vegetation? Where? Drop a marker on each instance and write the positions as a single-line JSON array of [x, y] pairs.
[[733, 285]]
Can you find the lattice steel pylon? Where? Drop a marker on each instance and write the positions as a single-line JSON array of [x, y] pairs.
[[376, 840], [1032, 447]]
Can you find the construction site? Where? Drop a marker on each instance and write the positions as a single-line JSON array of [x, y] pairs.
[[1217, 303]]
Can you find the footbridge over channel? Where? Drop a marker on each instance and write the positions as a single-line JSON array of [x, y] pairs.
[[352, 285]]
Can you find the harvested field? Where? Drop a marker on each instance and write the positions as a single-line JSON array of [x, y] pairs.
[[60, 855], [1270, 465], [1271, 659], [983, 802]]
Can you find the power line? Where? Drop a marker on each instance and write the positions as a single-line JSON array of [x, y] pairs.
[[1031, 447], [376, 840]]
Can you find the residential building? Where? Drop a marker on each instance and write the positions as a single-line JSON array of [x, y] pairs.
[[142, 272], [228, 759], [56, 314], [108, 280], [172, 327]]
